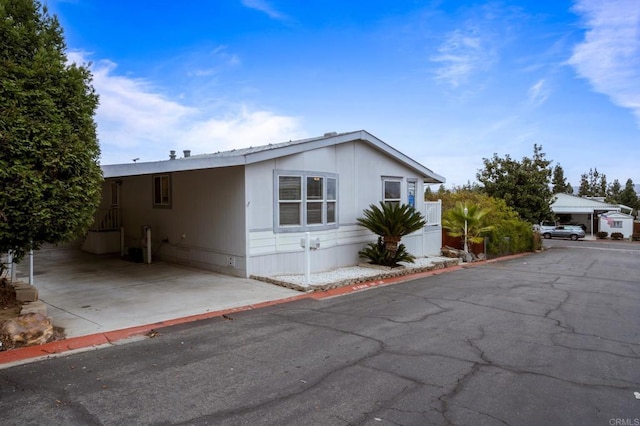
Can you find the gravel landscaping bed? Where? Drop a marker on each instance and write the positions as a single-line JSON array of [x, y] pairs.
[[356, 274]]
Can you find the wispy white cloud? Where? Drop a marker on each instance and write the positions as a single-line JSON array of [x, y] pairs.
[[609, 56], [264, 7], [136, 121], [461, 54], [538, 93], [210, 63]]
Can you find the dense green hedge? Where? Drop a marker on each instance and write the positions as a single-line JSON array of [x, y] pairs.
[[510, 236]]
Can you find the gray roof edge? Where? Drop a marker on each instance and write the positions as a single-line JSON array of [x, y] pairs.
[[383, 146], [168, 166], [195, 163]]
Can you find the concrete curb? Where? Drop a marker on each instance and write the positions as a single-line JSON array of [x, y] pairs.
[[71, 345]]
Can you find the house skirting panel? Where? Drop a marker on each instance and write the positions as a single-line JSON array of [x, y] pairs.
[[323, 259], [224, 263], [102, 242]]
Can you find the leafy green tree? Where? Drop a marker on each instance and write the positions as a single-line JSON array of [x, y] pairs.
[[392, 222], [524, 185], [50, 179], [559, 182], [466, 221]]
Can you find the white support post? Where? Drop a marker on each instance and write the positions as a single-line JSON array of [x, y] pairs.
[[307, 258], [12, 267], [31, 267]]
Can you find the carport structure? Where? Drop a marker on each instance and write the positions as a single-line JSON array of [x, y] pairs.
[[583, 211], [87, 294]]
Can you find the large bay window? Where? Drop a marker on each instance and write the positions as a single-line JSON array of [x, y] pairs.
[[305, 200]]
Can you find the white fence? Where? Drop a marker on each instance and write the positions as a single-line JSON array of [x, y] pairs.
[[433, 212]]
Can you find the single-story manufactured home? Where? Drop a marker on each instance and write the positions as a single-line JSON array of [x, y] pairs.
[[244, 212], [614, 221], [582, 210]]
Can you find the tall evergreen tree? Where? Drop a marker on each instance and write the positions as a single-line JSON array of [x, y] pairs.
[[559, 182], [50, 179], [593, 184], [613, 192], [524, 185], [629, 197]]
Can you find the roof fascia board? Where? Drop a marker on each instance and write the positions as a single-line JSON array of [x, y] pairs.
[[168, 166]]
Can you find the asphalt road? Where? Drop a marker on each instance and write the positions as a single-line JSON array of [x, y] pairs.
[[546, 339]]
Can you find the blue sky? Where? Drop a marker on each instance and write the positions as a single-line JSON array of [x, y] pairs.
[[446, 82]]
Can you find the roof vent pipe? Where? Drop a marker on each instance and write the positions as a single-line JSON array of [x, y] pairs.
[[187, 153], [328, 134], [172, 155]]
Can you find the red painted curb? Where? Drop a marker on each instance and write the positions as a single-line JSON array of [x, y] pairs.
[[80, 342]]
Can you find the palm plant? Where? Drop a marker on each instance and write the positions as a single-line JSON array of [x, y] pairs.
[[391, 222], [472, 216], [378, 254]]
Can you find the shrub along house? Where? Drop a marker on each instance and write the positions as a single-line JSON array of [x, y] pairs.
[[243, 212]]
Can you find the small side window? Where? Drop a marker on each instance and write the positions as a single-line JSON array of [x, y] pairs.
[[391, 190], [162, 191]]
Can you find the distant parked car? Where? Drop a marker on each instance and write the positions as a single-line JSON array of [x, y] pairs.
[[563, 231]]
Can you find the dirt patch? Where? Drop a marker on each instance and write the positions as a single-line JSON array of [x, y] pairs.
[[10, 308]]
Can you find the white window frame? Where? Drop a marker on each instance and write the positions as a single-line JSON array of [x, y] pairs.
[[305, 201], [161, 203], [390, 179], [616, 224]]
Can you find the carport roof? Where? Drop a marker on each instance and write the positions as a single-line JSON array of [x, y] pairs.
[[256, 154], [567, 203]]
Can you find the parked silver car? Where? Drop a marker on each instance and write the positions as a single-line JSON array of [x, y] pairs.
[[563, 231]]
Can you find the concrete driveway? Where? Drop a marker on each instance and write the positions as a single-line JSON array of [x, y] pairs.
[[87, 294]]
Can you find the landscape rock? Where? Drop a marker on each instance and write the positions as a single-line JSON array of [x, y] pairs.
[[27, 330], [25, 292], [37, 307], [459, 254]]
